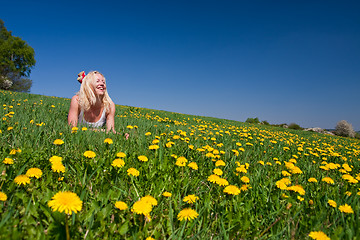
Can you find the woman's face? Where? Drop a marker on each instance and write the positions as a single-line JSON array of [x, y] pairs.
[[99, 85]]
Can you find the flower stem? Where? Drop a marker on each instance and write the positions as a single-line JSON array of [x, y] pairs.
[[67, 227]]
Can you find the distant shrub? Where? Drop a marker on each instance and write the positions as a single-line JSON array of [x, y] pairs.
[[344, 129], [252, 120], [265, 122], [357, 135], [295, 126]]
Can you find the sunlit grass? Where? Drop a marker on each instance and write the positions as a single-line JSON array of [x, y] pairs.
[[210, 178]]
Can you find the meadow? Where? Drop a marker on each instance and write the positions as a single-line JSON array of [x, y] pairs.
[[176, 177]]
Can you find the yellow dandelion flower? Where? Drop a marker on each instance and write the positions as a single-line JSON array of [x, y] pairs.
[[84, 129], [155, 141], [121, 205], [245, 187], [296, 170], [13, 152], [324, 168], [143, 158], [297, 188], [219, 163], [133, 172], [148, 134], [190, 198], [167, 194], [129, 127], [89, 154], [319, 235], [245, 179], [67, 202], [222, 182], [154, 147], [108, 141], [213, 178], [236, 152], [346, 208], [331, 166], [312, 180], [231, 189], [348, 177], [22, 179], [187, 214], [193, 165], [3, 197], [74, 129], [150, 238], [149, 199], [34, 172], [181, 161], [261, 162], [347, 167], [241, 169], [121, 155], [118, 163], [58, 167], [8, 161], [209, 155], [342, 171], [285, 173], [332, 203], [141, 207], [328, 180], [283, 183], [58, 142], [218, 171], [55, 159]]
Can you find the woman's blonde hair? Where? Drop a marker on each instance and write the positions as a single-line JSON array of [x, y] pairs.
[[87, 96]]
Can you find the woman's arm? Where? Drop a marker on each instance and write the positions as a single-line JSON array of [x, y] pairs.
[[110, 122], [74, 111]]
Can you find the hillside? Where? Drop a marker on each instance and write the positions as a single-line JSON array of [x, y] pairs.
[[178, 176]]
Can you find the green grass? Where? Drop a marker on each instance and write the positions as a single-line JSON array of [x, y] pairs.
[[261, 212]]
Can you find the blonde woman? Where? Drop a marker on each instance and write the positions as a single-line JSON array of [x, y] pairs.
[[92, 105]]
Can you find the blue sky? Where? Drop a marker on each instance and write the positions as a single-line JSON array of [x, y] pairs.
[[280, 61]]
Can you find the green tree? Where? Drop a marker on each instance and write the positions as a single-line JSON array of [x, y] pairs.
[[253, 120], [16, 61]]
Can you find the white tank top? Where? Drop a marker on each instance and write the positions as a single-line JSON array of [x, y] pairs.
[[99, 123]]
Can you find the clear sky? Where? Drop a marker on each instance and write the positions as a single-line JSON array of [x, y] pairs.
[[280, 61]]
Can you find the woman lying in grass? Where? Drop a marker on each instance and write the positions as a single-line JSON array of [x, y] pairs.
[[92, 105]]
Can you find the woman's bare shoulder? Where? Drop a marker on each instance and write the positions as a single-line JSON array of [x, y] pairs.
[[75, 98], [74, 104]]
